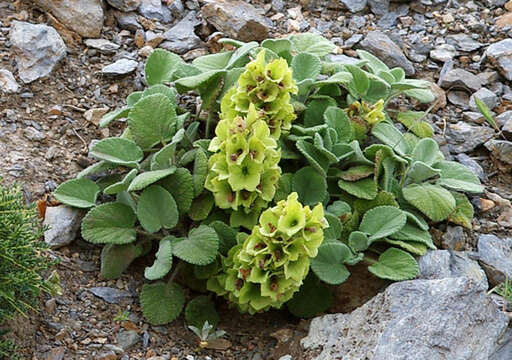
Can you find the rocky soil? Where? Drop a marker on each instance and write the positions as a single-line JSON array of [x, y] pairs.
[[64, 64]]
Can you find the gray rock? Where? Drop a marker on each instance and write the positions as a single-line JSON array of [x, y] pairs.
[[124, 5], [460, 78], [354, 39], [155, 10], [507, 127], [104, 46], [8, 83], [237, 19], [38, 49], [495, 256], [454, 238], [442, 264], [181, 37], [33, 134], [463, 42], [127, 21], [472, 165], [286, 357], [500, 54], [504, 118], [379, 7], [459, 98], [504, 350], [85, 17], [110, 295], [127, 339], [120, 67], [63, 222], [442, 319], [487, 96], [501, 149], [473, 116], [494, 3], [354, 5], [443, 53], [386, 50], [464, 137]]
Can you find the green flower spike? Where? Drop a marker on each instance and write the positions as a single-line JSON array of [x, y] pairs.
[[268, 88], [270, 265], [244, 169]]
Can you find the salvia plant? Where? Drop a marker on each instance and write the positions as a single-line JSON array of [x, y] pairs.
[[291, 171]]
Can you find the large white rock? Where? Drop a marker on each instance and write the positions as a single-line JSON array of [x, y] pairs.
[[63, 222], [38, 49]]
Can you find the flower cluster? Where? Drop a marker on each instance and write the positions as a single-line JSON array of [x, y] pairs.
[[269, 266], [364, 116], [244, 170], [268, 87]]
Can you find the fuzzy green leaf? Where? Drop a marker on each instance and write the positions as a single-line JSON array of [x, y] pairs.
[[118, 151], [422, 95], [389, 135], [338, 120], [413, 247], [80, 193], [310, 185], [201, 206], [312, 298], [372, 62], [412, 121], [149, 177], [432, 200], [161, 66], [339, 208], [315, 109], [122, 185], [110, 223], [199, 310], [355, 173], [115, 259], [427, 151], [335, 227], [360, 79], [152, 120], [170, 92], [113, 115], [226, 234], [161, 302], [382, 221], [328, 264], [199, 248], [157, 209], [411, 232], [458, 177], [284, 187], [306, 66], [463, 214], [213, 61], [419, 172], [395, 264], [358, 241], [163, 261], [315, 158], [200, 171], [362, 189], [180, 185], [311, 43]]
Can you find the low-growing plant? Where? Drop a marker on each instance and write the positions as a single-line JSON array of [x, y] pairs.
[[306, 170], [22, 261]]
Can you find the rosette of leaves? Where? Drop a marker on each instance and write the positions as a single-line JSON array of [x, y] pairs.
[[267, 87], [269, 266]]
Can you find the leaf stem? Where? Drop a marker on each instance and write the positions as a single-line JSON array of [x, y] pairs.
[[209, 124], [176, 271]]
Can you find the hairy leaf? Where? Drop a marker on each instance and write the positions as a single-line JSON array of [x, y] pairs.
[[199, 310], [458, 177], [161, 66], [199, 248], [110, 223], [362, 189], [201, 206], [312, 298], [382, 221], [432, 200], [412, 121], [389, 135], [149, 177], [358, 241], [463, 214], [180, 185], [328, 264], [200, 171], [157, 209], [311, 43], [310, 185], [161, 302], [118, 151], [163, 261], [122, 185], [395, 264], [80, 193], [306, 66]]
